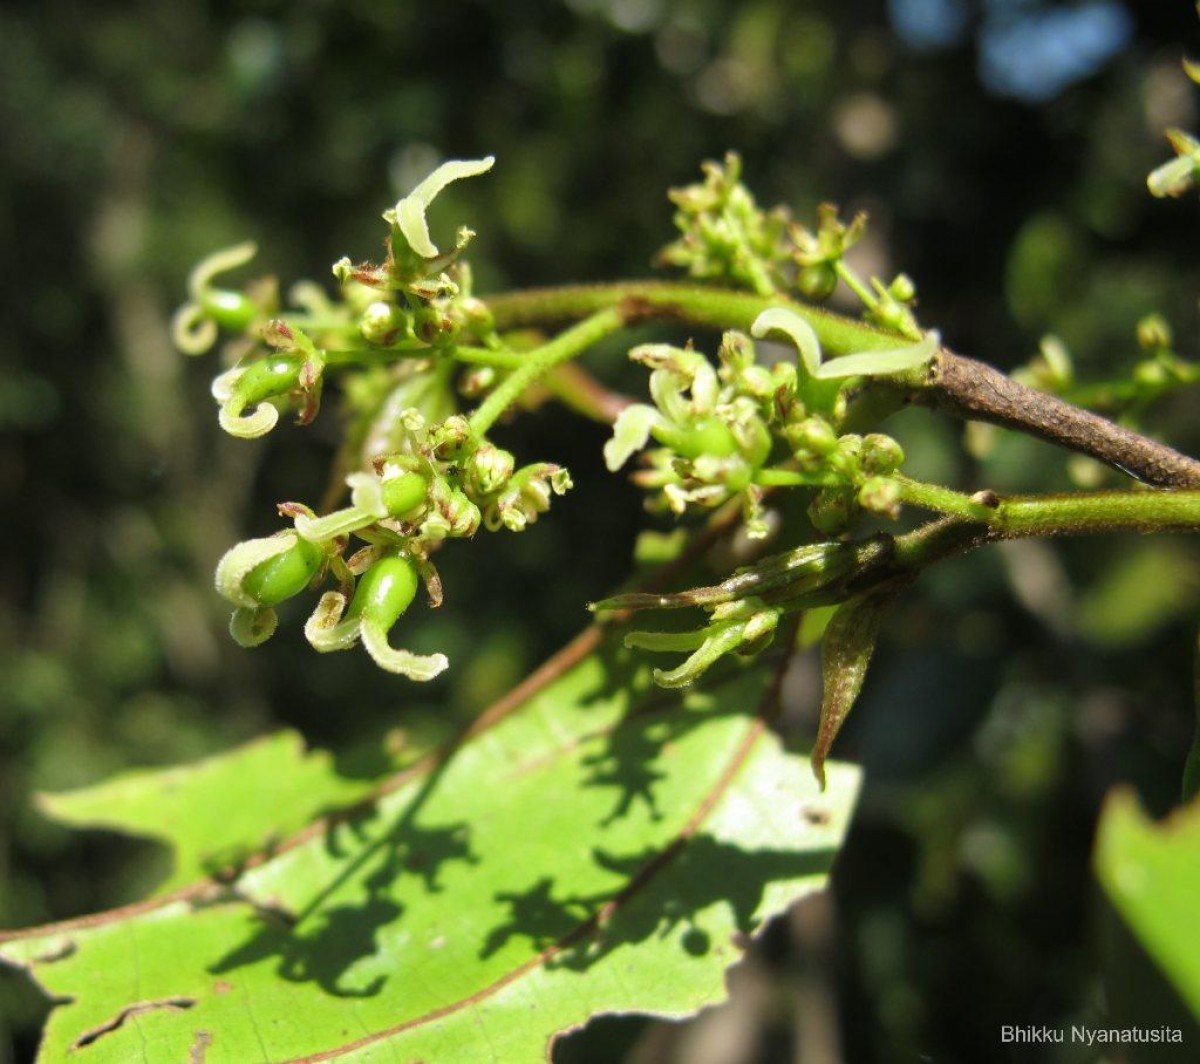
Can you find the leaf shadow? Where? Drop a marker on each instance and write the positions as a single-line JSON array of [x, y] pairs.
[[322, 942], [575, 932], [625, 760]]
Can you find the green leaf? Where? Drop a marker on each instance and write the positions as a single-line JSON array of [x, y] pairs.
[[602, 847], [216, 812], [1151, 874]]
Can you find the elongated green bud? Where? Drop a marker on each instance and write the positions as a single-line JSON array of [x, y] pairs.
[[277, 579], [276, 375], [403, 493], [701, 436], [383, 594], [229, 309], [846, 650], [385, 591]]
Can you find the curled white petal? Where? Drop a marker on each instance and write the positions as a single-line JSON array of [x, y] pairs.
[[366, 494], [250, 627], [193, 331], [249, 426], [338, 523], [409, 213], [240, 559], [325, 630], [310, 296], [415, 666], [1173, 178], [878, 363], [797, 330], [219, 262], [631, 432], [222, 385]]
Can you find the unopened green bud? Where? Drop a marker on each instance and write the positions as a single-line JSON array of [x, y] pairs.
[[1150, 374], [285, 575], [450, 436], [462, 515], [381, 323], [880, 454], [847, 455], [476, 381], [812, 436], [385, 591], [403, 492], [832, 510], [490, 468], [880, 495], [902, 288], [1153, 333], [818, 281], [229, 309]]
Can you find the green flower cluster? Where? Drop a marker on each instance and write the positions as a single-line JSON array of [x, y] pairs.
[[1180, 174], [738, 429], [417, 301], [420, 472], [726, 237], [445, 483]]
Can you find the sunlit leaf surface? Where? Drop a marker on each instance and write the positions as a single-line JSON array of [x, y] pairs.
[[605, 847], [215, 812]]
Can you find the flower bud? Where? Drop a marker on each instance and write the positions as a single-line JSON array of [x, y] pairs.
[[402, 492], [902, 288], [880, 495], [382, 323], [880, 454], [229, 309], [832, 510], [450, 436], [1153, 333], [385, 591], [489, 469], [817, 281]]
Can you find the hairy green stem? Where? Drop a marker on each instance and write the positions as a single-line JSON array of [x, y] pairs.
[[710, 308], [943, 500], [1052, 515], [951, 383], [565, 346]]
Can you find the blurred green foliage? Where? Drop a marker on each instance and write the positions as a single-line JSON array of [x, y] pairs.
[[1011, 689]]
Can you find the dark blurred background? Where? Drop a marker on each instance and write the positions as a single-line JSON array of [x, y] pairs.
[[1001, 147]]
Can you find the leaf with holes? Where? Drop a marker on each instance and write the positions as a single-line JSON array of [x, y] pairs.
[[601, 846]]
